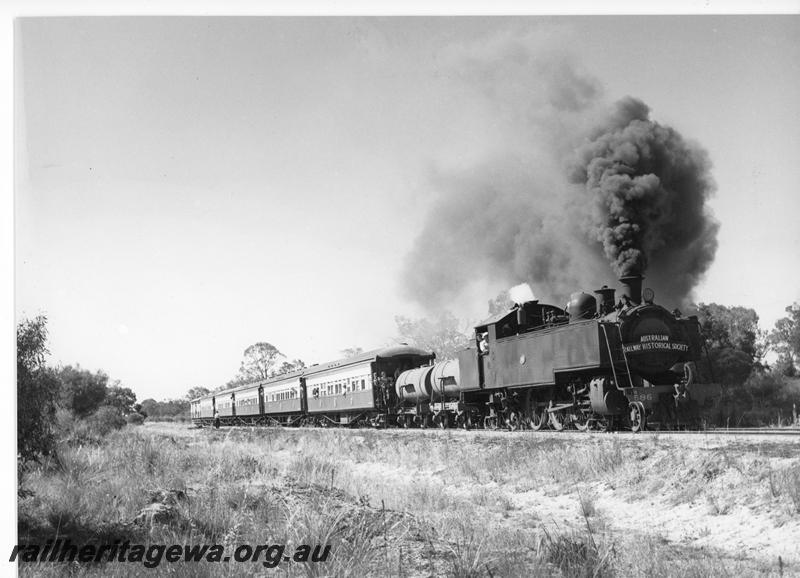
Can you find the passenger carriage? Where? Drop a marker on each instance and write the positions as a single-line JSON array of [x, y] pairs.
[[284, 399], [358, 389]]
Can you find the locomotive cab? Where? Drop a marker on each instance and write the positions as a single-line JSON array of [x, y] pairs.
[[528, 316]]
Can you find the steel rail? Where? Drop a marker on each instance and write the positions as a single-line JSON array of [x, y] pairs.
[[566, 431]]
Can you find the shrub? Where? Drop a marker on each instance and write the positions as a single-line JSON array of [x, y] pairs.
[[135, 418], [37, 391], [105, 420]]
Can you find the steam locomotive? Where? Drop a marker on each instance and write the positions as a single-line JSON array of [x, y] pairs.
[[598, 363]]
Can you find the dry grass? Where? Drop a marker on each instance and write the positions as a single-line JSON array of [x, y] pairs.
[[388, 503]]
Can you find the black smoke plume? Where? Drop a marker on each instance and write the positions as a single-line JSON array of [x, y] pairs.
[[648, 189], [570, 202]]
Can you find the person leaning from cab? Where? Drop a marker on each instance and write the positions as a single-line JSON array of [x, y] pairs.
[[483, 343]]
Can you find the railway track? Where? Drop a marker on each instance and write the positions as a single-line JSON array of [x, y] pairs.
[[736, 431], [772, 432], [716, 432]]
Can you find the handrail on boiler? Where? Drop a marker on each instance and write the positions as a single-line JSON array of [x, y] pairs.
[[624, 356], [611, 359]]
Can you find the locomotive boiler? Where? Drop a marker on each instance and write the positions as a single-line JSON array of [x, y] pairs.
[[597, 363]]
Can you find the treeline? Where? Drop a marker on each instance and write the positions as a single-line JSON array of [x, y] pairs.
[[261, 360], [166, 410], [755, 393], [69, 403]]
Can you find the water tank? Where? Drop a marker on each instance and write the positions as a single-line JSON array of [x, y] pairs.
[[414, 385], [445, 379]]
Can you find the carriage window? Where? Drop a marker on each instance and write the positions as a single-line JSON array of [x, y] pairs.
[[363, 385]]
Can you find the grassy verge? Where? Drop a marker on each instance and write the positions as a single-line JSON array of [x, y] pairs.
[[390, 503]]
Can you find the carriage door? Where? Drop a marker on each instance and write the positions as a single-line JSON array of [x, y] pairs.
[[233, 404], [377, 391], [261, 400], [303, 398]]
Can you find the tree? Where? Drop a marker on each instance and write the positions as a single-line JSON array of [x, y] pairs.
[[752, 395], [37, 391], [82, 391], [351, 352], [259, 362], [169, 408], [289, 366], [500, 304], [734, 341], [121, 398], [196, 392], [439, 334], [785, 340], [148, 407]]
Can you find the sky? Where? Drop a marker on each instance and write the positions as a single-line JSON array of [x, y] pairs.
[[185, 187]]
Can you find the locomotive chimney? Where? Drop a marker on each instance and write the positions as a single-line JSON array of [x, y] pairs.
[[632, 287]]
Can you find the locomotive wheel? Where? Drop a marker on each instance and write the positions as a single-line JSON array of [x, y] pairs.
[[534, 417], [556, 421], [580, 420], [637, 417], [538, 418], [601, 424], [513, 421]]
